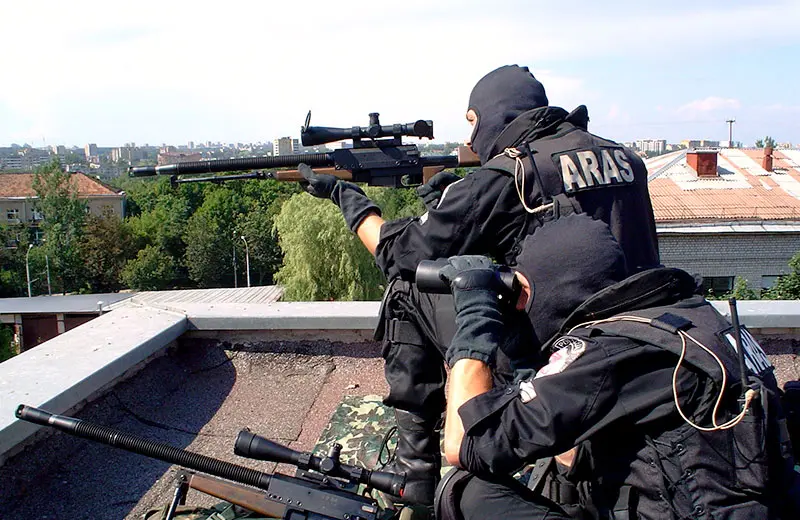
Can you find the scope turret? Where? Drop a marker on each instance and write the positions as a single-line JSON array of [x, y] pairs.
[[315, 135]]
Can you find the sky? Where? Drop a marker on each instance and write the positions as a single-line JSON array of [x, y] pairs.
[[175, 71]]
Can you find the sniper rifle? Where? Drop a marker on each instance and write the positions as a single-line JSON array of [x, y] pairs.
[[324, 489], [378, 157]]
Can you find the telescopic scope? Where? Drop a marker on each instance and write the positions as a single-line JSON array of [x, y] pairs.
[[255, 447], [316, 135]]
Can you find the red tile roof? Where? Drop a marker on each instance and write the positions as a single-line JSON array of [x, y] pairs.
[[743, 190], [21, 185]]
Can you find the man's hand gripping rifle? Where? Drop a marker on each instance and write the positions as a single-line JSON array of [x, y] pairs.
[[378, 157], [324, 490]]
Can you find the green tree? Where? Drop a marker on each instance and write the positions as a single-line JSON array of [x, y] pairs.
[[152, 270], [786, 287], [322, 259], [210, 235], [741, 291], [107, 245], [64, 215], [13, 246], [767, 142], [6, 348], [263, 201]]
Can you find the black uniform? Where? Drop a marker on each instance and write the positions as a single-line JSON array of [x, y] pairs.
[[487, 213], [609, 389], [483, 214]]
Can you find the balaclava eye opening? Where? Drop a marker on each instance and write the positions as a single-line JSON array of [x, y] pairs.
[[497, 99]]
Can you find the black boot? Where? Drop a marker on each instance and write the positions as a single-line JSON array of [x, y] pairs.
[[418, 455]]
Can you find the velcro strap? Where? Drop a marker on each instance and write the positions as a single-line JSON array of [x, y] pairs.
[[622, 509], [564, 492], [399, 331]]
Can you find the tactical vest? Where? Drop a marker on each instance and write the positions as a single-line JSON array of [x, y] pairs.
[[745, 471], [574, 171]]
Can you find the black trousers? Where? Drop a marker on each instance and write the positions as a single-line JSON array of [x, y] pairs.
[[483, 499], [417, 329]]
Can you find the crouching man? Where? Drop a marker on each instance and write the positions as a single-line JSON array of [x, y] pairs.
[[643, 379]]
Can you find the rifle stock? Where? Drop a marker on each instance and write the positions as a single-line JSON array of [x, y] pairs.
[[252, 499]]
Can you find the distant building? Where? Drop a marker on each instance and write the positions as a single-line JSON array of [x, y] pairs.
[[129, 154], [18, 198], [175, 157], [657, 146], [285, 146], [24, 159], [699, 143], [90, 150], [727, 213]]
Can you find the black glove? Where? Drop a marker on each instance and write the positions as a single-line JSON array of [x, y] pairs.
[[320, 186], [353, 202], [431, 191], [475, 284]]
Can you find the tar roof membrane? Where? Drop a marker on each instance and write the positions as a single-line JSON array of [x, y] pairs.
[[198, 397]]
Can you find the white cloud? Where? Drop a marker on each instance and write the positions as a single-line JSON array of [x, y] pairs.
[[710, 104], [253, 69]]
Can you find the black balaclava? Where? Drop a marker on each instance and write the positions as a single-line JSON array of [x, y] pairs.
[[498, 98], [566, 261]]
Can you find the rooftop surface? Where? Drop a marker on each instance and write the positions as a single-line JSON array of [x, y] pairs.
[[198, 397], [21, 185], [193, 375], [76, 303], [742, 190]]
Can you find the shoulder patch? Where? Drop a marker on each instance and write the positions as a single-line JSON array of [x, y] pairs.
[[592, 168], [569, 348]]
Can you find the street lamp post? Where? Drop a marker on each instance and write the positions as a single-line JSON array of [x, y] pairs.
[[28, 269], [247, 259], [47, 264], [235, 278]]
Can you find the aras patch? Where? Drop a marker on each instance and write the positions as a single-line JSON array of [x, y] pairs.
[[597, 167]]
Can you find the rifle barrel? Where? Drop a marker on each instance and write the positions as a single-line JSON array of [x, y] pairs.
[[233, 165], [156, 450]]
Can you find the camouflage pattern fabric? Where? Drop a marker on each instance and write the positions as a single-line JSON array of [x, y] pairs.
[[359, 424]]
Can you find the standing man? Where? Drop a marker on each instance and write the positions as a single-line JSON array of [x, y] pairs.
[[534, 157]]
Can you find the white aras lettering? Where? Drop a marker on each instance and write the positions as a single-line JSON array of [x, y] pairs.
[[595, 168]]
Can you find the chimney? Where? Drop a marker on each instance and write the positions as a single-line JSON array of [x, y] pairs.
[[766, 163], [704, 162]]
